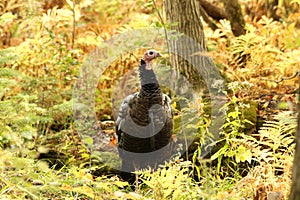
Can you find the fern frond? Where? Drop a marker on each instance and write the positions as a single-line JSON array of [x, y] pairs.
[[276, 138]]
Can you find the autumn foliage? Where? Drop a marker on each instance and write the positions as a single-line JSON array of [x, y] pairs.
[[42, 155]]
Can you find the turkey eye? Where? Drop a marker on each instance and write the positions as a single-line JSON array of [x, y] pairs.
[[151, 53]]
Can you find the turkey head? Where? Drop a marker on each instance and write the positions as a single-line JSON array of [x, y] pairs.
[[149, 56]]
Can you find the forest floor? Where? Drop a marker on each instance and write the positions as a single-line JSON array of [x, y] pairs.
[[54, 146]]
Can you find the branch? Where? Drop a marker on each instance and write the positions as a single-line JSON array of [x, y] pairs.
[[297, 73], [74, 21], [206, 18], [162, 22], [236, 18], [213, 11]]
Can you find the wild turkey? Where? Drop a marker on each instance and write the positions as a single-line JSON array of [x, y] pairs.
[[145, 122]]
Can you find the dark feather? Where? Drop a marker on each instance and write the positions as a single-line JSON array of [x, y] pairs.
[[145, 125]]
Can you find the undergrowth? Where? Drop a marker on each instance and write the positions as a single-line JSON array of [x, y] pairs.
[[42, 155]]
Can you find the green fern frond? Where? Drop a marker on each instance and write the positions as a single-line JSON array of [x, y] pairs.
[[9, 73], [170, 182], [7, 55], [243, 44], [276, 138]]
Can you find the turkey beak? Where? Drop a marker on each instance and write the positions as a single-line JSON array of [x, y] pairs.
[[158, 55]]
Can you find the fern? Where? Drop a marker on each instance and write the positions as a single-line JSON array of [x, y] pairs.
[[7, 56], [170, 182], [19, 118], [272, 149], [275, 141], [244, 44]]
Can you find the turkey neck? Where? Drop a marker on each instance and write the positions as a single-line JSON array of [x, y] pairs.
[[149, 84]]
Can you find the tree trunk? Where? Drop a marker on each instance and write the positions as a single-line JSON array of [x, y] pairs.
[[186, 50], [195, 73], [236, 18], [295, 189]]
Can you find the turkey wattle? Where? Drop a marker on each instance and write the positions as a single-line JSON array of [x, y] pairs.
[[145, 122]]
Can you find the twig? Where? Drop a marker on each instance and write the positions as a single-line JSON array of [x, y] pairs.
[[297, 73], [74, 20], [162, 22]]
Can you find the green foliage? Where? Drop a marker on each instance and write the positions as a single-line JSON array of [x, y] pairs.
[[22, 178], [236, 120], [7, 17], [275, 142], [18, 123], [41, 153], [262, 52], [273, 149], [295, 1], [170, 182], [7, 55]]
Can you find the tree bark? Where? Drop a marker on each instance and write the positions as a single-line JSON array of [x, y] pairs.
[[295, 189], [184, 17], [188, 57], [236, 18]]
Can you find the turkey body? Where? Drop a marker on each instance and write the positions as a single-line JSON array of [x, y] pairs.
[[145, 124]]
